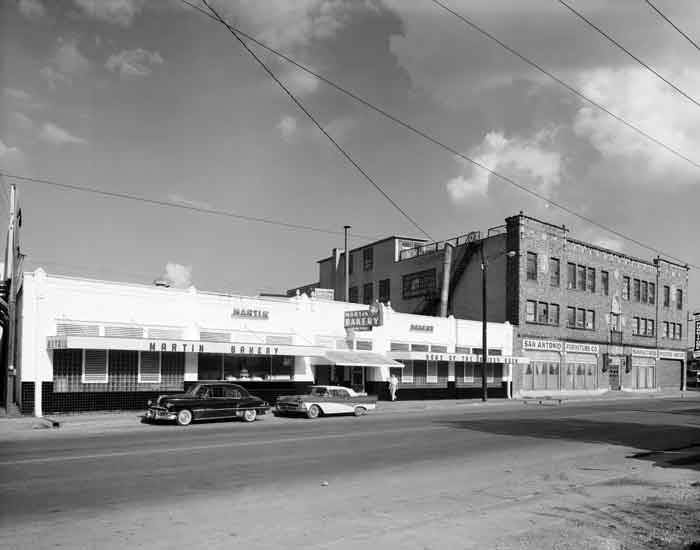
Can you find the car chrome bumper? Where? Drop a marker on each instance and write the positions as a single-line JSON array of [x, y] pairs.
[[160, 414]]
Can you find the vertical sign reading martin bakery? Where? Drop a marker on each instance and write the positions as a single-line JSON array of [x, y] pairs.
[[697, 333]]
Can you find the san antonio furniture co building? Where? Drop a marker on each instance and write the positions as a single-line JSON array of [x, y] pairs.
[[95, 345], [587, 317]]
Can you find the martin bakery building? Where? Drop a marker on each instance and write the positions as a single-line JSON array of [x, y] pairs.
[[97, 345]]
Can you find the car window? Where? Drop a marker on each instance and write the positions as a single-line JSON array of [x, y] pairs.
[[232, 393], [204, 393], [339, 394], [217, 392], [319, 391]]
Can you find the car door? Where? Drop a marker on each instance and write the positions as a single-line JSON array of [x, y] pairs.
[[233, 396], [204, 407], [222, 405], [341, 401]]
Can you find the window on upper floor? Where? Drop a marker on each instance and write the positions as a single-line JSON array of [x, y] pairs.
[[590, 319], [419, 284], [531, 311], [554, 271], [635, 325], [367, 293], [531, 266], [605, 282], [590, 279], [651, 329], [615, 322], [581, 277], [636, 290], [367, 259], [679, 298], [570, 275], [580, 318], [554, 314], [353, 295], [571, 317], [652, 293], [542, 312], [665, 329], [385, 290], [625, 288], [645, 292], [667, 296]]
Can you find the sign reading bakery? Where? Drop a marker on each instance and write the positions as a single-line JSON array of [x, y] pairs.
[[532, 344], [363, 319]]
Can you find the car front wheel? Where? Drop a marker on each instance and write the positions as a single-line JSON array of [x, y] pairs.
[[250, 415], [360, 411], [184, 417], [313, 412]]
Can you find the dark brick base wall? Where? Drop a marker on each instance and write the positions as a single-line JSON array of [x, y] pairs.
[[448, 391]]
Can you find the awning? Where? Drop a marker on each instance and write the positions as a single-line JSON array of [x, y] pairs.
[[360, 359], [190, 346]]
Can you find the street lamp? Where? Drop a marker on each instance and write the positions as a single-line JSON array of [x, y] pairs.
[[484, 343], [347, 264]]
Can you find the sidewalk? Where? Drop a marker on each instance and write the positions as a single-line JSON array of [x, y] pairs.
[[98, 422]]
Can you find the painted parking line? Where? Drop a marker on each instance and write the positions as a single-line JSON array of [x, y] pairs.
[[230, 444]]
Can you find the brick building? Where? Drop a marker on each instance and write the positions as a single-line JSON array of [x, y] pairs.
[[586, 317]]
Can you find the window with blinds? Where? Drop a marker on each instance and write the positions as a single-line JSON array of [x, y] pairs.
[[95, 366], [149, 367]]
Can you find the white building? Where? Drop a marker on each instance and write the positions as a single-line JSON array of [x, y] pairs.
[[88, 345]]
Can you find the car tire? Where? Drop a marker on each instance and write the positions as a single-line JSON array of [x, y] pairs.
[[313, 412], [249, 415], [184, 417], [360, 411]]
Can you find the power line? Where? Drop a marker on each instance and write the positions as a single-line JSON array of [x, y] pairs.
[[629, 53], [169, 204], [563, 83], [441, 144], [663, 16], [316, 123]]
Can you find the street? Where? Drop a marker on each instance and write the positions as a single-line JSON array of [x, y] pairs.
[[586, 475]]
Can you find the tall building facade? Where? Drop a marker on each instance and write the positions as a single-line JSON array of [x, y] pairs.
[[585, 317]]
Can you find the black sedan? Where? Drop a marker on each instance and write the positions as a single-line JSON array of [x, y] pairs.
[[207, 401]]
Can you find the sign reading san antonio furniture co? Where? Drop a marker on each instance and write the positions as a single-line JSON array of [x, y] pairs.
[[363, 319], [557, 345]]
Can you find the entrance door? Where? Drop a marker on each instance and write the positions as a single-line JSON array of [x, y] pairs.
[[614, 375], [357, 379]]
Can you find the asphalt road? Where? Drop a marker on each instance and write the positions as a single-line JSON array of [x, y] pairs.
[[316, 483]]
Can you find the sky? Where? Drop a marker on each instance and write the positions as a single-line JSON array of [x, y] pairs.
[[154, 99]]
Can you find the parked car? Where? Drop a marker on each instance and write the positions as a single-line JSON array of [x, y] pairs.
[[207, 401], [326, 400]]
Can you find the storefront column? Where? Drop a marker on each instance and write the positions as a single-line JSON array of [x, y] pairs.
[[303, 372], [191, 367], [450, 371]]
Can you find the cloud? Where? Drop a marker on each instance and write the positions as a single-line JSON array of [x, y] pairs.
[[32, 9], [69, 60], [637, 96], [22, 121], [11, 158], [284, 24], [17, 94], [178, 275], [301, 82], [58, 136], [610, 243], [525, 160], [52, 76], [288, 127], [117, 12], [133, 62]]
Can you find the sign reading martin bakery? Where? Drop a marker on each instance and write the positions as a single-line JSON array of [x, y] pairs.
[[697, 334], [363, 319], [542, 345], [250, 313]]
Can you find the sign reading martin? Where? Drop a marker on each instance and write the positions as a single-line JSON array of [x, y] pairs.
[[363, 319], [250, 313]]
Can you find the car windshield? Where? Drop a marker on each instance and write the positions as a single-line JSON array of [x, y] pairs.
[[193, 390]]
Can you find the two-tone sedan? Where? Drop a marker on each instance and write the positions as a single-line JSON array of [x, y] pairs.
[[323, 400], [207, 401]]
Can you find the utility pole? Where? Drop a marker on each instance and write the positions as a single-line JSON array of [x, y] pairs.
[[484, 344], [10, 257], [347, 265]]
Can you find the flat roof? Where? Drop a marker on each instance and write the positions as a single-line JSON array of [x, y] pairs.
[[373, 243]]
